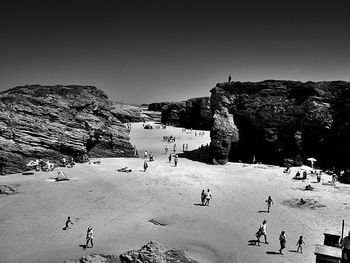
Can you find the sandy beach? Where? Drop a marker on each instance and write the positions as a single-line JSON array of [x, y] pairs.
[[119, 207]]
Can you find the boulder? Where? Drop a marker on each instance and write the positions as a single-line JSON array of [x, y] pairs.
[[7, 190], [51, 122], [276, 122], [152, 252]]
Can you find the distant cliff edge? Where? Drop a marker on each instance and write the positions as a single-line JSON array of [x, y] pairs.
[[193, 113]]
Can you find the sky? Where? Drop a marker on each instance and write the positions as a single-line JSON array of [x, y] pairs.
[[152, 51]]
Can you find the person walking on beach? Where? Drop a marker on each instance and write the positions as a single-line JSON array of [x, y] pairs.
[[282, 242], [183, 147], [262, 230], [169, 158], [145, 155], [207, 197], [67, 222], [269, 203], [345, 244], [300, 244], [186, 146], [166, 149], [175, 160], [145, 166], [89, 237], [203, 196]]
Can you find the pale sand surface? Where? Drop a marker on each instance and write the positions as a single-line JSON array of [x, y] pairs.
[[119, 205]]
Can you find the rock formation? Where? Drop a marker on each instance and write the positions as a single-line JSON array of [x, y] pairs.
[[51, 122], [152, 252], [194, 113], [276, 121]]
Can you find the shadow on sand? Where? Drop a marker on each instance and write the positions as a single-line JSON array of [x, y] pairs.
[[262, 211], [83, 246], [252, 242], [198, 204], [273, 253], [198, 155]]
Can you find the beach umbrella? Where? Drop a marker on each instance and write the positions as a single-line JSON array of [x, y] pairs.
[[312, 160]]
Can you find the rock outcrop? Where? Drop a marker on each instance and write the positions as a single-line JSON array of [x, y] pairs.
[[193, 113], [52, 122], [274, 121], [152, 252]]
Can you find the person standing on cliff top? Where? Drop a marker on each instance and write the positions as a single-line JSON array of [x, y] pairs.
[[229, 78]]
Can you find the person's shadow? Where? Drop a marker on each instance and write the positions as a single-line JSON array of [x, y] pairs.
[[252, 242], [262, 211], [293, 251], [83, 246], [198, 204], [273, 253]]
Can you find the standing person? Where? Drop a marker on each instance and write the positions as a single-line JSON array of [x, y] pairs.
[[175, 160], [282, 241], [345, 244], [203, 197], [300, 244], [229, 78], [145, 155], [67, 222], [334, 177], [269, 203], [145, 166], [89, 237], [169, 158], [166, 149], [263, 231], [174, 147], [186, 146], [183, 147], [208, 197]]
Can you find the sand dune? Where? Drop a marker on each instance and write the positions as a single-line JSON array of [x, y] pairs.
[[119, 207]]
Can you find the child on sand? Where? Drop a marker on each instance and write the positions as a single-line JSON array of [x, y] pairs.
[[269, 203], [145, 166], [67, 222], [299, 244], [282, 242]]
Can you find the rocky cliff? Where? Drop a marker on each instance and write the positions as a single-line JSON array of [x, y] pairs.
[[274, 121], [193, 113], [52, 122]]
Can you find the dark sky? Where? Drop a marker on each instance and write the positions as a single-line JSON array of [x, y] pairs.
[[148, 51]]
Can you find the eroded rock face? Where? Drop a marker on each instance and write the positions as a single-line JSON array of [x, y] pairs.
[[271, 121], [51, 122], [194, 113], [152, 252], [156, 253]]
